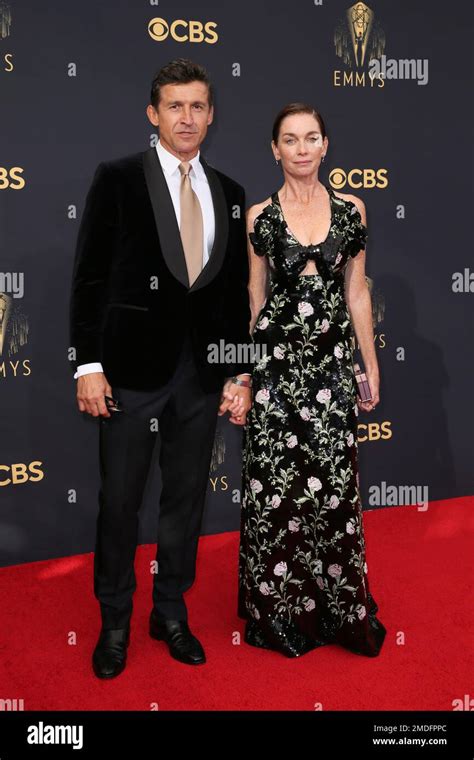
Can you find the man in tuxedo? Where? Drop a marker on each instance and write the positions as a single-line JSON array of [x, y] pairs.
[[160, 274]]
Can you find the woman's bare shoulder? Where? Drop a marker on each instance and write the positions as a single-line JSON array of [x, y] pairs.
[[255, 210], [352, 199]]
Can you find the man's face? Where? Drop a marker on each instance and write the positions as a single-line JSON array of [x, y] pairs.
[[183, 117]]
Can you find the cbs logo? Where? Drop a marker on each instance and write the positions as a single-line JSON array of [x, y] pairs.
[[357, 178], [20, 473], [7, 175], [159, 29], [373, 431]]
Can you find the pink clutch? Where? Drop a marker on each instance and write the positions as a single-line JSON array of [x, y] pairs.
[[363, 387]]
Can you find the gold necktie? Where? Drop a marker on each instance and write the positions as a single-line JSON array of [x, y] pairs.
[[191, 227]]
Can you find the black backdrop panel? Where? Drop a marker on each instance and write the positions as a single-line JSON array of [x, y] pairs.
[[74, 85]]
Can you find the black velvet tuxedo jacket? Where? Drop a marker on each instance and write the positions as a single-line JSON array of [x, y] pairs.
[[131, 303]]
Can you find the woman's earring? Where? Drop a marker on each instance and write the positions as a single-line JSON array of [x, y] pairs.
[[322, 159], [277, 161]]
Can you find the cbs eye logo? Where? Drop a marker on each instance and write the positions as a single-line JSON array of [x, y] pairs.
[[183, 31], [357, 178], [9, 178], [20, 472]]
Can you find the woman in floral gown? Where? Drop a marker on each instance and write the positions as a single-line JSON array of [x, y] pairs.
[[302, 566]]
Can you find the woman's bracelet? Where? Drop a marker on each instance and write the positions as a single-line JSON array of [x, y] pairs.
[[237, 381]]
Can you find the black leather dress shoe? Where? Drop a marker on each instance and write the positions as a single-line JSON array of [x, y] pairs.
[[182, 644], [110, 654]]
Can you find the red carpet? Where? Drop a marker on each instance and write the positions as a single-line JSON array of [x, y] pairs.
[[419, 572]]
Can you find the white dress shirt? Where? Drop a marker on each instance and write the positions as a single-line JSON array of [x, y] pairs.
[[200, 185]]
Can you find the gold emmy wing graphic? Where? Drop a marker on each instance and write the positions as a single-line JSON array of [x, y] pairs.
[[360, 34], [13, 327], [5, 19]]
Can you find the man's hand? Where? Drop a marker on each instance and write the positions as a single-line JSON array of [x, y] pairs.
[[237, 400], [91, 390]]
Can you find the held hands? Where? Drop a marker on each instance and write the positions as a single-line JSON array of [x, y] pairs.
[[373, 379], [91, 390], [237, 400]]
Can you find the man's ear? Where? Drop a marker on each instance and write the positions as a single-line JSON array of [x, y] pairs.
[[152, 114]]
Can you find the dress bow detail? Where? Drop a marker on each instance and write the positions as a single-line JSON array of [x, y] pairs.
[[313, 253]]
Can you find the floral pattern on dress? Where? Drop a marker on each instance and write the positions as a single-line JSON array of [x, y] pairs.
[[302, 560]]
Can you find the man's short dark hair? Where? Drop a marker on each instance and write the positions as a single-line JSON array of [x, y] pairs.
[[180, 71]]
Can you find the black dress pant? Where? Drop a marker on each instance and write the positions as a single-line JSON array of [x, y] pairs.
[[187, 418]]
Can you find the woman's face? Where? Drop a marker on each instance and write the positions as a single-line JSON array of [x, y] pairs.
[[300, 145]]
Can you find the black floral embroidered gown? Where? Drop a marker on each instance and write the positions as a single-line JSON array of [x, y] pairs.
[[302, 567]]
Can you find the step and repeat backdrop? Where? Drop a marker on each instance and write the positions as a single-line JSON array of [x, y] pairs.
[[392, 81]]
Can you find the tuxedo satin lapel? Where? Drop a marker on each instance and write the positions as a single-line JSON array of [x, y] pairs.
[[167, 225], [165, 217], [221, 234]]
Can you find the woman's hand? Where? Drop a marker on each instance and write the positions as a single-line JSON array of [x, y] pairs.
[[237, 400], [373, 379]]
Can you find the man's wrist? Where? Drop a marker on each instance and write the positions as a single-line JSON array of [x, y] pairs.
[[87, 369]]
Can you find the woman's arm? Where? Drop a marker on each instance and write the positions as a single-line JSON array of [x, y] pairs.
[[359, 304], [258, 271]]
